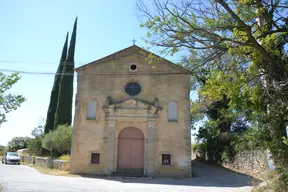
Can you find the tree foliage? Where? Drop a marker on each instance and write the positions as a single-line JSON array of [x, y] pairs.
[[63, 113], [48, 141], [49, 126], [63, 139], [8, 101], [2, 150], [17, 143], [59, 141], [237, 54], [35, 144]]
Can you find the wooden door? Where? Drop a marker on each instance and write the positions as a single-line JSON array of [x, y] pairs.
[[131, 149]]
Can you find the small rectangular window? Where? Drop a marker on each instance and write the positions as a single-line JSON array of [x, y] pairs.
[[91, 110], [172, 112], [95, 158], [166, 159]]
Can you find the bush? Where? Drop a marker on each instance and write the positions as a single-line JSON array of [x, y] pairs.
[[65, 157], [200, 149], [48, 141], [17, 143], [35, 146], [62, 139], [58, 141], [2, 150], [195, 146]]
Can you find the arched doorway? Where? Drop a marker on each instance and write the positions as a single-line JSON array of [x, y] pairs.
[[130, 151]]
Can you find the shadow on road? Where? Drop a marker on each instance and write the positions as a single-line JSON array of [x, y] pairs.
[[203, 175]]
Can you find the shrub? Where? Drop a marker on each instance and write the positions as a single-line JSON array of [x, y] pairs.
[[62, 139], [194, 147], [35, 146], [200, 149], [48, 141], [65, 157], [17, 143], [2, 150]]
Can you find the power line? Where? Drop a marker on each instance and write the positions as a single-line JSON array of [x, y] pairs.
[[54, 62], [98, 74], [40, 62]]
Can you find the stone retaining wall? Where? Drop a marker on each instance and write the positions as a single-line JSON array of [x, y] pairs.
[[255, 161], [44, 162], [28, 159], [62, 165]]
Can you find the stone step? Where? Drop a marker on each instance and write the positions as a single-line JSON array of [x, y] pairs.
[[122, 172]]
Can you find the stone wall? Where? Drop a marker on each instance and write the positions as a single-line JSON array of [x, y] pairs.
[[44, 162], [62, 165], [255, 161], [28, 159]]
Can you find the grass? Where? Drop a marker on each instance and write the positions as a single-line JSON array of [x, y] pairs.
[[269, 186], [48, 171]]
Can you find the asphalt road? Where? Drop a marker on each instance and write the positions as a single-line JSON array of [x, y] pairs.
[[19, 178]]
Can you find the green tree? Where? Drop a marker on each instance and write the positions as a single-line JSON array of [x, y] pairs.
[[248, 38], [59, 141], [49, 126], [48, 142], [2, 150], [65, 96], [63, 139], [17, 143], [38, 131], [35, 144], [8, 101]]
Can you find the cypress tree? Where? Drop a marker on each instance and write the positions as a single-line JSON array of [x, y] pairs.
[[63, 114], [49, 125]]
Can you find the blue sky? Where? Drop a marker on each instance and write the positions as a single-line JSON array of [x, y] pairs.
[[31, 39]]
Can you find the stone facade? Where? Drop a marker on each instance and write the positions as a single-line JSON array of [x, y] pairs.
[[103, 81]]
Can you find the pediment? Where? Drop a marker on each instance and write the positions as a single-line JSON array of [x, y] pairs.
[[132, 50], [131, 106]]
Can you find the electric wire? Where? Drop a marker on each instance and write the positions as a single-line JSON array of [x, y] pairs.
[[89, 74]]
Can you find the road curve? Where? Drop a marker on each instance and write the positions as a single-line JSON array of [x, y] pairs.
[[21, 178]]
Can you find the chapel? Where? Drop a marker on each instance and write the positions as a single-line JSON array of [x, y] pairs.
[[132, 116]]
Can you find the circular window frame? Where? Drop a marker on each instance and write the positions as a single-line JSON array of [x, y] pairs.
[[135, 70], [132, 81]]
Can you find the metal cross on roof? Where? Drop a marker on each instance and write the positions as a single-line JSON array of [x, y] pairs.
[[133, 41]]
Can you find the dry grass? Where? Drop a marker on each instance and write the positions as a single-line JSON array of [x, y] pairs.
[[48, 171], [269, 185]]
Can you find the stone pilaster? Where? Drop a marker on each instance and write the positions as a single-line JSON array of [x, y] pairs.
[[150, 146], [109, 138]]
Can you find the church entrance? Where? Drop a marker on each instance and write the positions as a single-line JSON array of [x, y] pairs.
[[130, 151]]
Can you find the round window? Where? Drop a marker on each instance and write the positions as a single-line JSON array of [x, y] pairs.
[[133, 67], [133, 88]]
